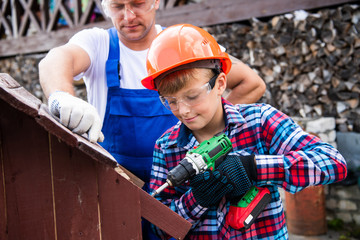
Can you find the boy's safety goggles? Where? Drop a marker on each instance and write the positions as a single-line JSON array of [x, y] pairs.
[[191, 98], [116, 9]]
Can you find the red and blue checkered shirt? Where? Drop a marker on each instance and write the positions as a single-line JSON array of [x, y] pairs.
[[286, 157]]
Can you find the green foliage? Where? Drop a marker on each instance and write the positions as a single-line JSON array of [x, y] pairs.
[[348, 231], [336, 224]]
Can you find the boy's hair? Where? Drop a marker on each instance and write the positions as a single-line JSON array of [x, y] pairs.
[[177, 80]]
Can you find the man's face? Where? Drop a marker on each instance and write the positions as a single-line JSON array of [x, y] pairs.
[[132, 18]]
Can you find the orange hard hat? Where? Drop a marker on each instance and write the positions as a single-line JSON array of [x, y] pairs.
[[179, 45]]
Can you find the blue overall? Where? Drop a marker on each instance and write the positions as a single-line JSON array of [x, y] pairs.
[[134, 119]]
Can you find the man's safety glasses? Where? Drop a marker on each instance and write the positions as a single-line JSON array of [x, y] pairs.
[[191, 98], [136, 7]]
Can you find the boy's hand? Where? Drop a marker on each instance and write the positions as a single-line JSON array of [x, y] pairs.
[[210, 187], [241, 171], [233, 178]]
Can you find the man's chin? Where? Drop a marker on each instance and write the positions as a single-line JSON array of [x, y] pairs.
[[132, 35]]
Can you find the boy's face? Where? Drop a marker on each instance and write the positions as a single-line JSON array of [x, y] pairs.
[[204, 115]]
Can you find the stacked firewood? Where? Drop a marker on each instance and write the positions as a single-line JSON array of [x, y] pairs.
[[310, 61]]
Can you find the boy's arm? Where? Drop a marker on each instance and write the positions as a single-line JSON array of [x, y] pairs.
[[297, 159], [183, 203], [246, 86]]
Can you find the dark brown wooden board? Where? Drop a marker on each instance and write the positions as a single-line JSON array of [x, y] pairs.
[[75, 192], [56, 185], [3, 213], [155, 213], [119, 208], [27, 177]]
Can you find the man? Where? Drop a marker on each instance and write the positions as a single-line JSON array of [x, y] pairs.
[[112, 63], [86, 56]]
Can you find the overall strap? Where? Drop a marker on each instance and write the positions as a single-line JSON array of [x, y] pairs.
[[113, 61]]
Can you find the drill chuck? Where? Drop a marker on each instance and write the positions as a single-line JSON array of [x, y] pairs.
[[187, 168]]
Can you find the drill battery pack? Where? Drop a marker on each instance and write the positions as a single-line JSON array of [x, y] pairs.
[[242, 214]]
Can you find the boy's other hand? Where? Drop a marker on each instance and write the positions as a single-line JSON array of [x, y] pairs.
[[241, 171]]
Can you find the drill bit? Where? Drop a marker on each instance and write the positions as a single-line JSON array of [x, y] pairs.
[[160, 189]]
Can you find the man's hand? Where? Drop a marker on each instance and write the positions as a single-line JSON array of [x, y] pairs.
[[76, 114]]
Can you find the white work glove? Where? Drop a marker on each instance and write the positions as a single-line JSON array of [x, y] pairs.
[[76, 114]]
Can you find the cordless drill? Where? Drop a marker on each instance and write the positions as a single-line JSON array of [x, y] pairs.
[[208, 155]]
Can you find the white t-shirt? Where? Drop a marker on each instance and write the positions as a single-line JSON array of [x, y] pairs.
[[95, 42]]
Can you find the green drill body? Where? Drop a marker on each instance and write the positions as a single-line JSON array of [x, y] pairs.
[[208, 154]]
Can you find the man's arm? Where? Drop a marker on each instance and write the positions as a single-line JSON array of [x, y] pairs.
[[58, 68], [56, 72], [245, 85]]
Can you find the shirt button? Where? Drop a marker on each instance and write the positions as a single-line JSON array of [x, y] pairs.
[[220, 214], [268, 183]]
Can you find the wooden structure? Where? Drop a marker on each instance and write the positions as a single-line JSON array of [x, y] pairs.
[[56, 185], [30, 26]]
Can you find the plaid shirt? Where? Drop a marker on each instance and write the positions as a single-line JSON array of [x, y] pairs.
[[286, 157]]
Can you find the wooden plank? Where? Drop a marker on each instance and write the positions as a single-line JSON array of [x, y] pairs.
[[86, 14], [207, 12], [3, 209], [28, 18], [91, 149], [27, 176], [44, 13], [119, 206], [3, 20], [26, 45], [6, 81], [158, 214], [55, 190], [75, 192], [22, 100], [17, 96], [54, 127]]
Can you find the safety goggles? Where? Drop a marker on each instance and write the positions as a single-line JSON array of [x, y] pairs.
[[191, 98], [136, 7]]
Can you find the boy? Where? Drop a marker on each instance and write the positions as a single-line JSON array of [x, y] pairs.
[[187, 68]]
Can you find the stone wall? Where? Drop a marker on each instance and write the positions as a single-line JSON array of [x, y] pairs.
[[342, 199], [310, 61], [301, 67], [343, 203], [24, 69]]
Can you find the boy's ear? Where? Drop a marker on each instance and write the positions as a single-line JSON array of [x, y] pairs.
[[221, 83]]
